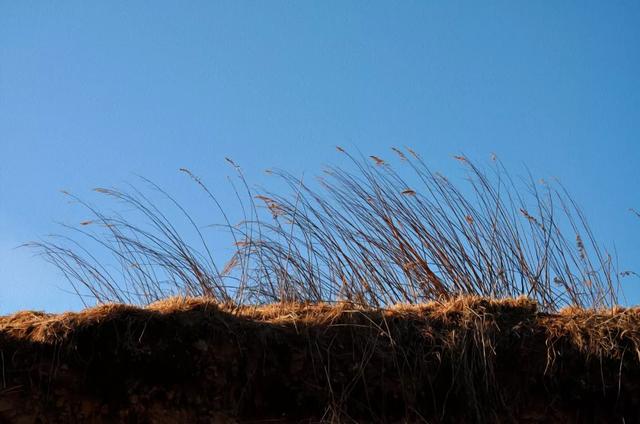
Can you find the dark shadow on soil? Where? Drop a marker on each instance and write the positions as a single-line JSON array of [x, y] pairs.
[[481, 362]]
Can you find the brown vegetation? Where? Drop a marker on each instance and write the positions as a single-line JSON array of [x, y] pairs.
[[298, 325], [373, 236], [194, 360]]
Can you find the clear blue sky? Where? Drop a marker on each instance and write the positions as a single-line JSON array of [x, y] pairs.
[[94, 92]]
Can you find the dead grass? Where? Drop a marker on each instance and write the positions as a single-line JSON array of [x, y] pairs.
[[48, 328], [368, 298], [375, 234]]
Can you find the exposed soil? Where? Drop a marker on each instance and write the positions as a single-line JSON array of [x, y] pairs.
[[191, 360]]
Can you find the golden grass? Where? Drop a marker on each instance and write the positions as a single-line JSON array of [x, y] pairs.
[[595, 331]]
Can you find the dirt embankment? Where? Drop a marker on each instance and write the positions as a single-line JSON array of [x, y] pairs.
[[191, 360]]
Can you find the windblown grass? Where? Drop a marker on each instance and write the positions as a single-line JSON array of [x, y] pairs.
[[368, 235]]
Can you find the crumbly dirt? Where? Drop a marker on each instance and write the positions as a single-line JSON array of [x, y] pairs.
[[194, 361]]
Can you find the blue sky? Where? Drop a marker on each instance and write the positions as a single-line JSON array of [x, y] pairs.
[[92, 93]]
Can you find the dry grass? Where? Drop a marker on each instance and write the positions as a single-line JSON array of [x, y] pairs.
[[375, 235], [370, 296], [47, 328]]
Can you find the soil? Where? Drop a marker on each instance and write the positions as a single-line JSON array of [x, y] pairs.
[[194, 361]]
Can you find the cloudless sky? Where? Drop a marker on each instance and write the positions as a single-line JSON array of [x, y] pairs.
[[92, 93]]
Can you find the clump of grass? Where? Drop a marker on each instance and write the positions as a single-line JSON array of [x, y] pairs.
[[367, 235]]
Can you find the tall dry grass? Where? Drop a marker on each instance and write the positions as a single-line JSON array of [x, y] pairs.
[[367, 234]]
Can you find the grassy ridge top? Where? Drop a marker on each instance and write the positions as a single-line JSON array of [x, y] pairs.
[[573, 322], [466, 359]]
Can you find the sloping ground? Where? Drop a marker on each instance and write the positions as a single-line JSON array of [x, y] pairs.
[[191, 360]]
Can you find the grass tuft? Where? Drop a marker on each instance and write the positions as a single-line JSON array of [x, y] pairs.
[[367, 235]]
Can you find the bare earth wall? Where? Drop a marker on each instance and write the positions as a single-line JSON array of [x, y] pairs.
[[192, 360]]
